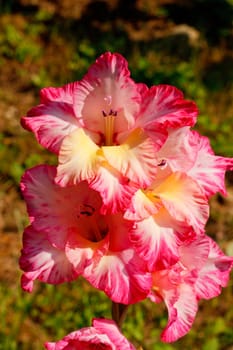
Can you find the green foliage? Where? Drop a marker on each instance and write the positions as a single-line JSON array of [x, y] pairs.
[[15, 44]]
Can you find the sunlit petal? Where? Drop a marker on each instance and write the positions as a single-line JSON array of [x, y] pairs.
[[114, 188], [165, 104], [77, 159], [184, 200], [135, 158], [157, 245], [121, 275], [209, 170]]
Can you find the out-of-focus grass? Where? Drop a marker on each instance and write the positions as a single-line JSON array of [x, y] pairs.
[[50, 312]]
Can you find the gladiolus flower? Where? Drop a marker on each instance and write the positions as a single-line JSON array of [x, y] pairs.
[[170, 211], [68, 237], [106, 129], [200, 273], [103, 335], [188, 151]]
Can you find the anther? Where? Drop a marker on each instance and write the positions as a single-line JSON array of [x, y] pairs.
[[162, 162]]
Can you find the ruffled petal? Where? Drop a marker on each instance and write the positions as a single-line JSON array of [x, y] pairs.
[[165, 104], [156, 245], [110, 328], [115, 189], [184, 200], [107, 86], [59, 94], [54, 118], [103, 334], [181, 314], [142, 206], [194, 254], [40, 260], [77, 159], [53, 209], [209, 170], [121, 275], [179, 151], [135, 158], [214, 274]]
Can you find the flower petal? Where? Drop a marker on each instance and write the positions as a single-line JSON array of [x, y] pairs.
[[110, 328], [209, 170], [121, 275], [135, 158], [141, 206], [107, 86], [54, 118], [54, 209], [194, 254], [59, 94], [115, 189], [214, 274], [165, 104], [181, 314], [156, 245], [77, 159], [103, 334], [184, 200], [179, 150], [40, 260]]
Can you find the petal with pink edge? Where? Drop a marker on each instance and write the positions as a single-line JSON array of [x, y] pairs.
[[179, 150], [107, 86], [165, 104], [54, 209], [110, 328], [194, 254], [184, 200], [157, 245], [121, 275], [214, 274], [135, 158], [115, 189], [181, 314], [40, 260], [142, 206], [54, 118], [103, 334], [61, 94], [77, 159], [209, 170]]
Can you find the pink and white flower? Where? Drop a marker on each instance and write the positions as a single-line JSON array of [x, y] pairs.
[[187, 151], [172, 210], [106, 129], [68, 237], [200, 273], [103, 334]]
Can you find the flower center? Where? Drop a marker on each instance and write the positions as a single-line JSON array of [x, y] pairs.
[[109, 120], [91, 224]]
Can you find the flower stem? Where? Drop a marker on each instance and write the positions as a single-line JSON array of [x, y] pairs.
[[119, 313]]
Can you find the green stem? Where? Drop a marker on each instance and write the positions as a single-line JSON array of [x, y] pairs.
[[119, 313]]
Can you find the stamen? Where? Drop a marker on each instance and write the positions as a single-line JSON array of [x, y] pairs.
[[109, 121], [93, 230], [162, 162], [86, 210]]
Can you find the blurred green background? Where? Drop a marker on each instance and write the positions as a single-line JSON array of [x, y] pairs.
[[188, 44]]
